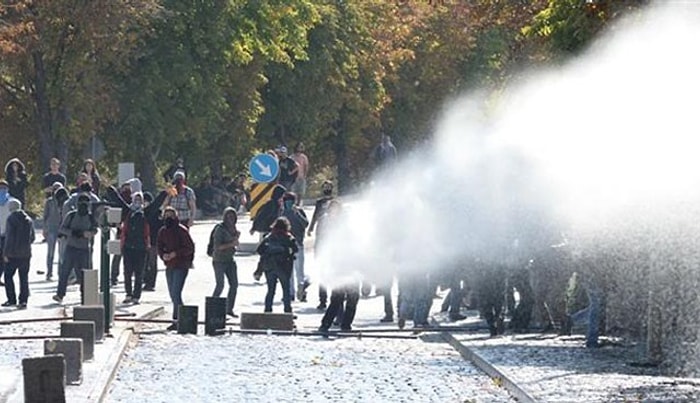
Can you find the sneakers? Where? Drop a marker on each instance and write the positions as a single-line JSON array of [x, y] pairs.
[[8, 303], [386, 319], [402, 323], [39, 272], [135, 301], [49, 277], [57, 299], [324, 331], [321, 306], [127, 300], [171, 327], [23, 305], [454, 317], [231, 314], [301, 294], [149, 289]]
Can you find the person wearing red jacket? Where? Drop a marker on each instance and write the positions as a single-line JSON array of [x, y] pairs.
[[176, 249]]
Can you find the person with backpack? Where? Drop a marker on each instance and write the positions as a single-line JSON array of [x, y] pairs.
[[152, 213], [298, 222], [17, 252], [176, 249], [79, 227], [277, 252], [135, 242], [318, 219], [223, 242]]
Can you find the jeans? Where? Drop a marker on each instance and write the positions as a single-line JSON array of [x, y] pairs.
[[51, 240], [73, 258], [230, 270], [134, 261], [150, 272], [176, 282], [272, 277], [116, 261], [298, 271], [591, 314], [13, 265], [385, 290], [349, 294]]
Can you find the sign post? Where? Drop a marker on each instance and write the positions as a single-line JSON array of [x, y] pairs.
[[264, 169]]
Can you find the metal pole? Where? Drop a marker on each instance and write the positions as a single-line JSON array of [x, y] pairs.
[[104, 272]]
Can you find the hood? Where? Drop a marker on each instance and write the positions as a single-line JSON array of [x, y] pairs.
[[14, 205], [278, 192], [21, 165], [228, 210], [136, 185]]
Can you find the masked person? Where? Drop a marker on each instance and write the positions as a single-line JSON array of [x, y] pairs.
[[135, 242], [4, 213], [176, 249], [277, 252], [79, 227]]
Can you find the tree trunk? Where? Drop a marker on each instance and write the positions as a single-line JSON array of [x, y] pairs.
[[340, 149], [42, 112], [148, 171]]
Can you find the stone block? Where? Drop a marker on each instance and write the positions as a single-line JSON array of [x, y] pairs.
[[44, 379], [187, 319], [72, 351], [81, 330], [91, 294], [267, 320], [94, 313], [214, 315]]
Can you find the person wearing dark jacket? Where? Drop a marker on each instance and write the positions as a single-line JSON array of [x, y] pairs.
[[151, 211], [17, 253], [319, 218], [79, 227], [269, 211], [176, 249], [155, 222], [16, 177], [277, 252], [135, 242], [298, 222], [90, 169], [225, 243]]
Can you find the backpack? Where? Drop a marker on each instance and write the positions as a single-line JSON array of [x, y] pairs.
[[210, 245], [276, 256]]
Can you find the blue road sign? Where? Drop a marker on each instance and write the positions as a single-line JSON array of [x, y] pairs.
[[264, 168]]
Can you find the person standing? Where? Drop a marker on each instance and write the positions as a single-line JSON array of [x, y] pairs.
[[5, 198], [16, 177], [319, 220], [288, 168], [53, 216], [51, 177], [155, 222], [298, 222], [176, 249], [277, 252], [299, 186], [79, 226], [225, 241], [183, 200], [349, 294], [17, 252], [135, 242], [268, 212], [90, 169]]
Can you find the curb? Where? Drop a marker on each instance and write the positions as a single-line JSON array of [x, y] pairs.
[[502, 379], [109, 370]]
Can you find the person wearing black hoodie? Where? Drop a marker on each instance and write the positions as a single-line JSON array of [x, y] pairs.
[[16, 177], [269, 211], [277, 252], [17, 253]]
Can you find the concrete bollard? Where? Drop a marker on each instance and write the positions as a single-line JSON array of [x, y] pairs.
[[267, 320], [94, 313], [214, 315], [72, 351], [91, 294], [187, 319], [81, 330], [44, 379]]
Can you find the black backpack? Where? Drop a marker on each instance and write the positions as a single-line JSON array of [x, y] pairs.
[[210, 245]]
